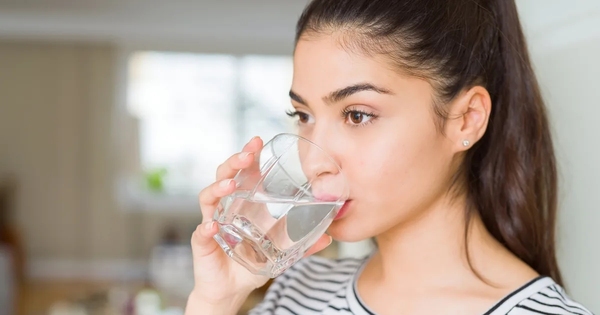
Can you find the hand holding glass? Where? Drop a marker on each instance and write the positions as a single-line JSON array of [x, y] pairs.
[[282, 205]]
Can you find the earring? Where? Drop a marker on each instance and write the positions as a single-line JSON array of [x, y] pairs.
[[466, 143]]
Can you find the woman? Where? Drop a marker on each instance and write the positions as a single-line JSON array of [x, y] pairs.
[[435, 116]]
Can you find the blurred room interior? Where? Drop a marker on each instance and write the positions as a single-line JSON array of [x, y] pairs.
[[115, 113]]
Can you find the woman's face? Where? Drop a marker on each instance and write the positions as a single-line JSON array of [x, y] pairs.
[[380, 128]]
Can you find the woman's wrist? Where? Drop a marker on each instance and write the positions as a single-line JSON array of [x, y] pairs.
[[197, 305]]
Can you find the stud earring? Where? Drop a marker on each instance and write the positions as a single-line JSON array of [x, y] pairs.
[[466, 143]]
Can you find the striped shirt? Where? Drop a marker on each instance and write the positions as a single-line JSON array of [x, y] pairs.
[[316, 285]]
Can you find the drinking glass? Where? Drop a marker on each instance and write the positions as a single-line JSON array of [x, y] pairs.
[[283, 203]]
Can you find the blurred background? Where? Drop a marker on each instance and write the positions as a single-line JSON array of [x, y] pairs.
[[115, 113]]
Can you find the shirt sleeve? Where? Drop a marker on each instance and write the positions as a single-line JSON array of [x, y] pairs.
[[550, 300]]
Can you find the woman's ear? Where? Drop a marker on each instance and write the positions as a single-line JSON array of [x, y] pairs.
[[468, 118]]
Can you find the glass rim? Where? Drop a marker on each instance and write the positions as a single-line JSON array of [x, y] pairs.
[[346, 188]]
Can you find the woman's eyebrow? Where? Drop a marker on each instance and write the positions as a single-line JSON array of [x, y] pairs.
[[339, 95], [343, 93]]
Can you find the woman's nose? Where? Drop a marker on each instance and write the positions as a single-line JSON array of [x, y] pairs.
[[322, 171], [316, 162]]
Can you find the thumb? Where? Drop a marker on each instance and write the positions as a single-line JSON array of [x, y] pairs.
[[203, 243], [321, 244]]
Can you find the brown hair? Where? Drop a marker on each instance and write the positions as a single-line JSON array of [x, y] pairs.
[[510, 174]]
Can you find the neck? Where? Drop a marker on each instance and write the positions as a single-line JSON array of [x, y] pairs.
[[431, 249]]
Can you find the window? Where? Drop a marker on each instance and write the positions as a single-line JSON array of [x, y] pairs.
[[192, 111]]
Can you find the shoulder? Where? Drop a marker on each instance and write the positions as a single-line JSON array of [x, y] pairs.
[[320, 266], [551, 299], [317, 273], [310, 285]]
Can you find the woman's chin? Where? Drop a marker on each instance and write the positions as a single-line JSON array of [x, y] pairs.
[[347, 230]]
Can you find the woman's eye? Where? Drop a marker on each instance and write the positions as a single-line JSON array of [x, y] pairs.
[[303, 118], [357, 118]]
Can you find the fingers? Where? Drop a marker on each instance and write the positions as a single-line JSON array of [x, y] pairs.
[[232, 165], [203, 243], [210, 196], [321, 244], [254, 145], [241, 160]]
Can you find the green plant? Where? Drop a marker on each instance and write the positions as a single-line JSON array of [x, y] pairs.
[[155, 179]]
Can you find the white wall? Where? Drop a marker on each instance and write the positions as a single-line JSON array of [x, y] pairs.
[[569, 79], [564, 39]]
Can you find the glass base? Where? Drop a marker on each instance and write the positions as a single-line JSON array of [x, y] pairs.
[[258, 259]]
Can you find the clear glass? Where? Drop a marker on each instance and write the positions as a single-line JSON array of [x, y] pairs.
[[282, 205]]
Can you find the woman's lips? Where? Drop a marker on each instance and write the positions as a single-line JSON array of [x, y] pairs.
[[328, 198], [343, 210]]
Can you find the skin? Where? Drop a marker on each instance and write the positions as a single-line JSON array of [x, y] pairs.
[[400, 167], [378, 125]]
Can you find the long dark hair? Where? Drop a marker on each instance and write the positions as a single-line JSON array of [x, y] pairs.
[[510, 174]]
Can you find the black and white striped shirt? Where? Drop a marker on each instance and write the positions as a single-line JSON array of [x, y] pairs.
[[316, 285]]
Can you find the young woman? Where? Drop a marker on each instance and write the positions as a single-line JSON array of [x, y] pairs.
[[435, 116]]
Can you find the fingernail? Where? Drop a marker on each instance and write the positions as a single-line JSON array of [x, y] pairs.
[[209, 225], [255, 137], [330, 240], [225, 183], [244, 155]]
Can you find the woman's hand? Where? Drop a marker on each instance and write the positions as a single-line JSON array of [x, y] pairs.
[[219, 280]]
